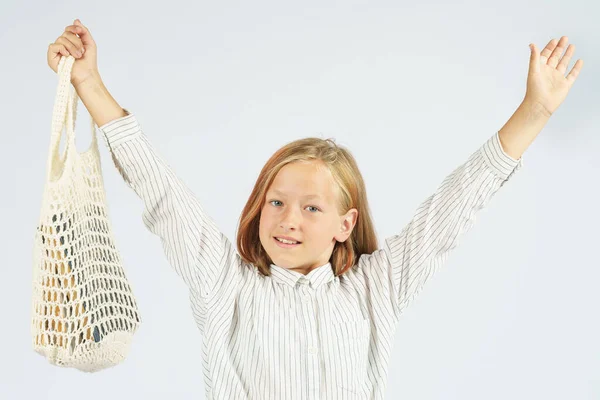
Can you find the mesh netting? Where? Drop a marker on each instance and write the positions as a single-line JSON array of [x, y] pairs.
[[84, 313]]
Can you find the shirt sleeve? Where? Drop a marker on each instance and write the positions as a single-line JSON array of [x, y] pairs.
[[191, 241], [409, 259]]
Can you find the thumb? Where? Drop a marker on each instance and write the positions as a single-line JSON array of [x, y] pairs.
[[84, 34], [534, 59]]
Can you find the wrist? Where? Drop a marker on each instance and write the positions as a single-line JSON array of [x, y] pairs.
[[535, 108], [92, 79]]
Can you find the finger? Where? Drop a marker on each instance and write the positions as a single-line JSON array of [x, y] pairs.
[[545, 54], [575, 72], [83, 33], [73, 29], [534, 63], [74, 39], [557, 52], [562, 65], [57, 48], [70, 46]]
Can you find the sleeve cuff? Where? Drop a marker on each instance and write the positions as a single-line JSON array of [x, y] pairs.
[[121, 130], [496, 158]]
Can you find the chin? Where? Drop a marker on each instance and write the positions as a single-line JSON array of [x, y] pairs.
[[283, 262]]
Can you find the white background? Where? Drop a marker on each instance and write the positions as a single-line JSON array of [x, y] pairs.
[[412, 89]]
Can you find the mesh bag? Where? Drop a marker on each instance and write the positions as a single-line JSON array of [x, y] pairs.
[[84, 313]]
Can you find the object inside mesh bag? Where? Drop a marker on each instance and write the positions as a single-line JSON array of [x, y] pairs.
[[69, 290]]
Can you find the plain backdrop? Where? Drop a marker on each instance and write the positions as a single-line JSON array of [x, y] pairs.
[[412, 89]]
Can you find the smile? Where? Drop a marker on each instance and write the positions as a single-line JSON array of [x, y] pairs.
[[286, 245]]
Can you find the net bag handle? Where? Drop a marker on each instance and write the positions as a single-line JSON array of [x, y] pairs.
[[64, 114]]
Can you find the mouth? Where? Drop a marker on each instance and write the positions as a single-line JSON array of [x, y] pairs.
[[286, 245]]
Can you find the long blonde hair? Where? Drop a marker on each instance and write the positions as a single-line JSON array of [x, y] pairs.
[[352, 194]]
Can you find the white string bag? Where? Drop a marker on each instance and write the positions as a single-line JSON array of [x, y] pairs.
[[84, 313]]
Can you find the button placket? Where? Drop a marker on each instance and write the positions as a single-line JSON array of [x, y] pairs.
[[308, 310], [312, 351], [305, 296]]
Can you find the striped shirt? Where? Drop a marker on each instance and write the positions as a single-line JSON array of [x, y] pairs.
[[290, 335]]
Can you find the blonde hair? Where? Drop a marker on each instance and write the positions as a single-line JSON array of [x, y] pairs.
[[351, 194]]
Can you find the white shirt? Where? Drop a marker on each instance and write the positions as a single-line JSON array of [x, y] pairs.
[[289, 335]]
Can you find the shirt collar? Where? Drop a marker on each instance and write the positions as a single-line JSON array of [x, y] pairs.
[[317, 277]]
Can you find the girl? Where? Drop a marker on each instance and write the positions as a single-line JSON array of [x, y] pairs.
[[307, 306]]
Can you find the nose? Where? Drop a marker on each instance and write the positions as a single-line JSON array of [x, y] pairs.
[[290, 219]]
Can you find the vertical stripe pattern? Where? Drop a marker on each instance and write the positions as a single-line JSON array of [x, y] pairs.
[[289, 335]]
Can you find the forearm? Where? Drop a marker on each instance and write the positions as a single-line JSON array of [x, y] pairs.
[[522, 128], [100, 104]]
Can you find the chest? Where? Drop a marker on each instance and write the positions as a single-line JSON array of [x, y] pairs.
[[320, 337]]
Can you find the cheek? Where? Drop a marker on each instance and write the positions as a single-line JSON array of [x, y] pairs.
[[325, 232], [264, 224]]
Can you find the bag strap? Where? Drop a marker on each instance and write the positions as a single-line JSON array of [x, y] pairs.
[[64, 115]]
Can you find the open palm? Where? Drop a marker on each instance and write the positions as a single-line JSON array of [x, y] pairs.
[[547, 85]]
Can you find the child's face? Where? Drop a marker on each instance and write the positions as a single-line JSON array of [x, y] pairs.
[[289, 210]]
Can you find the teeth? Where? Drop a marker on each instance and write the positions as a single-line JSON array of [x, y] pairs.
[[286, 241]]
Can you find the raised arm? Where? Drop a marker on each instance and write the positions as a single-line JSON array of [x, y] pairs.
[[409, 259], [197, 250]]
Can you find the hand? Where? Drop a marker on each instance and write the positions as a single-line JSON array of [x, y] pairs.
[[547, 85], [77, 41]]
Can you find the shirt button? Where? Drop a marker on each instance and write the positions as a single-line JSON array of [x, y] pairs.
[[312, 350], [306, 298]]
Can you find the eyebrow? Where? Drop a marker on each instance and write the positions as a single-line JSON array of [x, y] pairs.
[[308, 196]]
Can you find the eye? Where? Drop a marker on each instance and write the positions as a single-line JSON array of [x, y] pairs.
[[313, 207]]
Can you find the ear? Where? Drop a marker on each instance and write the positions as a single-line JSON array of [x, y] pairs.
[[347, 223]]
